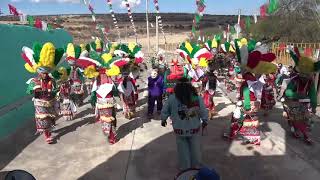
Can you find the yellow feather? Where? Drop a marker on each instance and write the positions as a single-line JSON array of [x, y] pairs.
[[264, 68], [106, 57], [64, 75], [203, 62], [244, 41], [90, 72], [47, 55], [306, 65], [70, 50], [231, 49], [131, 46], [83, 47], [214, 43], [189, 47], [29, 68], [113, 71], [98, 44]]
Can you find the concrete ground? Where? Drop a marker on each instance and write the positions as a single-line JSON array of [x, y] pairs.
[[147, 151]]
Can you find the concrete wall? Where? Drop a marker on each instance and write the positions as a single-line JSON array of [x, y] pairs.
[[13, 74]]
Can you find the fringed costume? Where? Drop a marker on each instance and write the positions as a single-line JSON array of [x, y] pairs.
[[42, 59]]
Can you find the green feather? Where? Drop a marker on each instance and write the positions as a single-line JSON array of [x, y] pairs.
[[93, 98], [251, 45], [93, 45], [30, 87], [317, 66], [77, 50], [56, 75], [294, 57], [68, 69], [246, 96], [237, 50], [58, 55], [88, 47], [227, 46], [124, 48], [135, 50], [37, 49]]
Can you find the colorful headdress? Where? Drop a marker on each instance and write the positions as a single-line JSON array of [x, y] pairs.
[[304, 64], [131, 51], [41, 59], [255, 60], [194, 54]]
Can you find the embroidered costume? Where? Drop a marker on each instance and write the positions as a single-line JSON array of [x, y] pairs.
[[42, 59]]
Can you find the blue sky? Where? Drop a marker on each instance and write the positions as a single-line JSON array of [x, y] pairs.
[[34, 7]]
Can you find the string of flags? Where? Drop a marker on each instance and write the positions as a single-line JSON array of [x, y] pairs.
[[198, 16], [115, 21], [269, 8], [130, 17], [156, 5], [94, 19]]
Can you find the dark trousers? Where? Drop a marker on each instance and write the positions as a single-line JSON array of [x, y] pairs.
[[151, 102]]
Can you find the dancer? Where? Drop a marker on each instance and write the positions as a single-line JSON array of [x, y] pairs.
[[267, 97], [300, 95], [42, 60], [209, 86], [155, 92], [127, 93], [68, 107], [76, 74]]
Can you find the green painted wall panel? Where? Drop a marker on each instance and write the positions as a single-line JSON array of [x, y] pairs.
[[13, 74]]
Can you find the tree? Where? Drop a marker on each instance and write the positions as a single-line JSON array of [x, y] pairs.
[[295, 21]]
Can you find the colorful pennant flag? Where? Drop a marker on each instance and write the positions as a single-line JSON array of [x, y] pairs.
[[198, 16], [13, 10], [263, 11], [273, 6], [248, 22]]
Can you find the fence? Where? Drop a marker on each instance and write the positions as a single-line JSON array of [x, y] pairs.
[[280, 49]]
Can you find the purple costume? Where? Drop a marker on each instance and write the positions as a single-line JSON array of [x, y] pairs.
[[155, 91]]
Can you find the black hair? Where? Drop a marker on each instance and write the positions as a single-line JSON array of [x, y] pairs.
[[184, 91]]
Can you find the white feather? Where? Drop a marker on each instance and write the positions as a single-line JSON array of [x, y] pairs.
[[29, 53]]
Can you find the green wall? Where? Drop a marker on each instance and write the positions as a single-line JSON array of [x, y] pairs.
[[12, 72]]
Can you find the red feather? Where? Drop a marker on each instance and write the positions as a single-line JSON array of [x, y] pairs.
[[26, 59]]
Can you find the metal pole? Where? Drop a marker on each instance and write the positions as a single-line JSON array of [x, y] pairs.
[[147, 19], [157, 33]]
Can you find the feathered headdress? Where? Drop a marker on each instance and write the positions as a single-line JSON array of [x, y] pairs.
[[194, 54], [131, 51], [255, 60], [304, 64], [41, 58]]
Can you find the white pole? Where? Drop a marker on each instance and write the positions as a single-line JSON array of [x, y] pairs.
[[239, 19], [157, 33], [147, 19]]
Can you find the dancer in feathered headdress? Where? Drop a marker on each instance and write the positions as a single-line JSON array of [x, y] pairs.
[[102, 68], [128, 90], [75, 53], [42, 59], [196, 59], [67, 106], [205, 83], [300, 94]]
